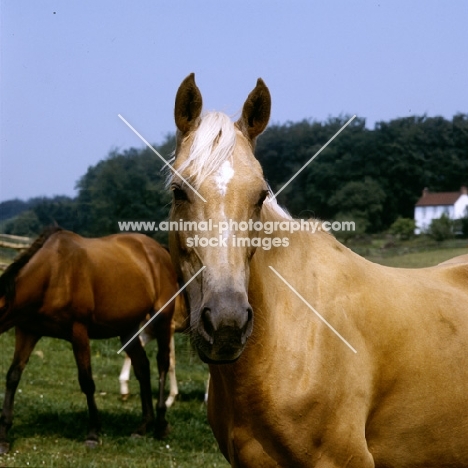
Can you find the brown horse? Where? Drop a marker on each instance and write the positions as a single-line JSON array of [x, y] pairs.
[[69, 287], [267, 309]]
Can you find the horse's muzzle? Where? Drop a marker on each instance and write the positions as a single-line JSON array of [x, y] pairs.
[[222, 331]]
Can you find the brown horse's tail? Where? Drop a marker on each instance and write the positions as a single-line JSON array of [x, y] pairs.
[[8, 278]]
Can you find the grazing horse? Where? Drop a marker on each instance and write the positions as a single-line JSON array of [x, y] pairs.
[[318, 357], [179, 324], [69, 287]]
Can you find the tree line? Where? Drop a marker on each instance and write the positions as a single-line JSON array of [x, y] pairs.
[[371, 176]]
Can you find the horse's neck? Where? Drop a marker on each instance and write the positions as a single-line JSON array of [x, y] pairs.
[[283, 325], [313, 249], [309, 266]]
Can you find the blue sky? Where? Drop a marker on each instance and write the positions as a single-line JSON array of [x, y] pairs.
[[69, 68]]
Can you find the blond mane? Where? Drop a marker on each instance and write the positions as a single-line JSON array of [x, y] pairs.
[[273, 211]]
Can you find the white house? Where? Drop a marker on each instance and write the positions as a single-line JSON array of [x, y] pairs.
[[433, 205]]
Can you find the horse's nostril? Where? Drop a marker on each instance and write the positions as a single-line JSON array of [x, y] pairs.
[[248, 321], [249, 314], [247, 328], [207, 323]]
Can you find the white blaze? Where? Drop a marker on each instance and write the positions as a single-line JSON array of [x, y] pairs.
[[223, 176]]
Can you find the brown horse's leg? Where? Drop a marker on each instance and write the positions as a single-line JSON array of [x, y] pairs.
[[81, 351], [141, 367], [163, 336], [24, 345]]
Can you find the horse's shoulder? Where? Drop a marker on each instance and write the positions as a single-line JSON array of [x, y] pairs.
[[58, 252], [63, 243]]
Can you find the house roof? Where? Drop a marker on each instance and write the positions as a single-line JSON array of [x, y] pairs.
[[438, 199]]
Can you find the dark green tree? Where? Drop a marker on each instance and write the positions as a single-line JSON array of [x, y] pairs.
[[441, 229], [126, 186], [403, 228], [25, 224], [59, 210], [361, 199]]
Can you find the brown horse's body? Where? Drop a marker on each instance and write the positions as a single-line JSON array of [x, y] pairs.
[[77, 289], [285, 389]]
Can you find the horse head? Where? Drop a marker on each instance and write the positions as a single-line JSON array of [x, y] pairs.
[[218, 187]]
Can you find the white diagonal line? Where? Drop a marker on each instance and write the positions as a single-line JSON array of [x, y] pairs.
[[314, 156], [162, 308], [166, 163], [313, 310]]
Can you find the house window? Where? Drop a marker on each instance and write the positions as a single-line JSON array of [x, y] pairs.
[[423, 211]]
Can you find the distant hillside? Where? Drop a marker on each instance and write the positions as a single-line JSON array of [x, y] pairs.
[[12, 208], [27, 218]]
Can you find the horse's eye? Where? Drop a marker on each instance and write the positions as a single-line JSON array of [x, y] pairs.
[[179, 194], [262, 197]]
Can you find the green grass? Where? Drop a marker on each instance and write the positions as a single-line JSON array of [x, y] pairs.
[[389, 246], [419, 259], [418, 252], [50, 420]]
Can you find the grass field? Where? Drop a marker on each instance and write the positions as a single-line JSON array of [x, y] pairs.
[[419, 259], [419, 252], [51, 415]]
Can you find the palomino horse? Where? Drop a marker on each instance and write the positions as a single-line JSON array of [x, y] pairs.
[[69, 287], [285, 389], [149, 333]]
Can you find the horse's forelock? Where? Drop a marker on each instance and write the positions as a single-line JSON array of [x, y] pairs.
[[213, 143]]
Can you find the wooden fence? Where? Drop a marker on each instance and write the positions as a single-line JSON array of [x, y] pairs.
[[18, 243]]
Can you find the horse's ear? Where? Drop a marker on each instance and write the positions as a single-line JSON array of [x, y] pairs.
[[256, 111], [188, 104]]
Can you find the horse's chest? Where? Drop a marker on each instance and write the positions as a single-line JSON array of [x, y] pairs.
[[257, 432]]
